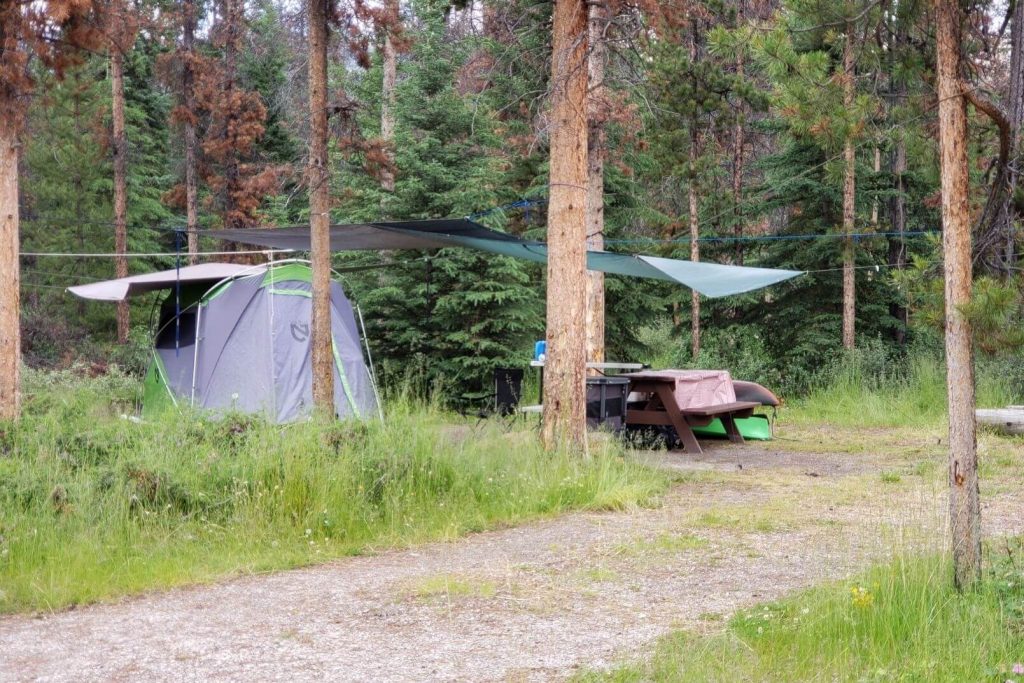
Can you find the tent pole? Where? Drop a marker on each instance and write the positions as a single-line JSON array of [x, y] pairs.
[[369, 359], [177, 292], [195, 356]]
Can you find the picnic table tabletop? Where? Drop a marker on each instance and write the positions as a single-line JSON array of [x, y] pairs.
[[665, 406]]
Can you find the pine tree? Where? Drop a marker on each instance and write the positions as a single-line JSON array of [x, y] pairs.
[[964, 508], [52, 31], [564, 380], [692, 89], [814, 72], [68, 194], [318, 177], [467, 312]]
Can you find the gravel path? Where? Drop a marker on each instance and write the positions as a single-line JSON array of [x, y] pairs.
[[536, 602]]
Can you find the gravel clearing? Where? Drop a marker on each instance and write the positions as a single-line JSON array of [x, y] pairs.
[[532, 603]]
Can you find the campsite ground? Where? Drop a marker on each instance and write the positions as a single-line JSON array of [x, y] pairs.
[[739, 526]]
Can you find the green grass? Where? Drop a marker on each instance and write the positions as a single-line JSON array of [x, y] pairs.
[[450, 586], [912, 396], [898, 622], [663, 543], [93, 506]]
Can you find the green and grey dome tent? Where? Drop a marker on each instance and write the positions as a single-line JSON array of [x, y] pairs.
[[237, 338]]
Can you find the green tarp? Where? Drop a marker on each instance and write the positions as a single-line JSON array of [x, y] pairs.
[[710, 279]]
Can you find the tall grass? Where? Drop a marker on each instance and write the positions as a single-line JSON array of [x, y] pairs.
[[909, 393], [94, 506], [899, 622]]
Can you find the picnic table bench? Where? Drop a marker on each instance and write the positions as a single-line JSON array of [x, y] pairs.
[[663, 407]]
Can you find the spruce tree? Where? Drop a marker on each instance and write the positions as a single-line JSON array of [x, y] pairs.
[[453, 315]]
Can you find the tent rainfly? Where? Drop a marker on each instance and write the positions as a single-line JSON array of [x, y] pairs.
[[234, 337], [710, 279]]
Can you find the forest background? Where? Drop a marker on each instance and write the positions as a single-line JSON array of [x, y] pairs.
[[730, 120]]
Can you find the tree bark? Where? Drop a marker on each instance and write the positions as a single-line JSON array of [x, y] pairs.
[[898, 168], [956, 245], [233, 15], [387, 102], [1009, 121], [596, 146], [878, 169], [319, 210], [738, 141], [692, 207], [849, 196], [120, 150], [691, 196], [10, 283], [1015, 110], [564, 378], [191, 139]]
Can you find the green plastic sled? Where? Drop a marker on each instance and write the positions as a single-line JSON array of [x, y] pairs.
[[753, 428]]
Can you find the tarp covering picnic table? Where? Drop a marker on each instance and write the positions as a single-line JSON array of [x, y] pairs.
[[684, 399]]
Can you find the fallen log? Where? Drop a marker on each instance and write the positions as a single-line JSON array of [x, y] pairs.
[[1006, 420]]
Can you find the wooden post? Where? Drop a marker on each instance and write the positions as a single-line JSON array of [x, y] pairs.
[[120, 150], [597, 23], [319, 211], [564, 375], [964, 506], [10, 283]]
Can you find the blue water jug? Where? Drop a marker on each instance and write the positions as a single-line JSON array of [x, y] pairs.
[[540, 350]]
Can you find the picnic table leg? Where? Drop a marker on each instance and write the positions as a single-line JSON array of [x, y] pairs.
[[686, 435], [729, 422]]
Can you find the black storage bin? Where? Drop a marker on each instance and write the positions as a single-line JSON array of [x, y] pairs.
[[508, 390], [606, 402]]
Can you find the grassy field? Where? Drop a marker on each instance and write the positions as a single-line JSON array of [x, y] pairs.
[[910, 396], [899, 622], [95, 506]]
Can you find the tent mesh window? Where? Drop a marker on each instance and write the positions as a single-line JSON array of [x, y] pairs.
[[183, 333]]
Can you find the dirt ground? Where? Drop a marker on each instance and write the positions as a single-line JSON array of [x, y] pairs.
[[741, 525]]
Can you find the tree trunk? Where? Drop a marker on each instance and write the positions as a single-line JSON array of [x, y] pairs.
[[564, 377], [120, 148], [387, 103], [898, 169], [191, 140], [692, 207], [691, 196], [232, 173], [738, 141], [956, 248], [319, 211], [10, 284], [1015, 115], [595, 177], [849, 195], [874, 204]]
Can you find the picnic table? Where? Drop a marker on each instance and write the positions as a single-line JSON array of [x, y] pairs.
[[686, 398]]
